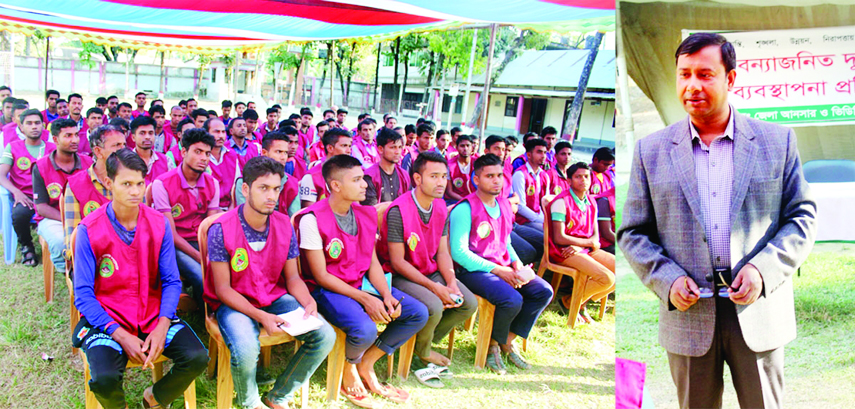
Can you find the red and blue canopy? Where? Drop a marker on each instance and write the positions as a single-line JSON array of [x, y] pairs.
[[214, 26]]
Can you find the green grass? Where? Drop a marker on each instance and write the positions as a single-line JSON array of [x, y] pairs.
[[571, 368]]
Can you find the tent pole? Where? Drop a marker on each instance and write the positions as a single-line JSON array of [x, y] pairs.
[[485, 97], [377, 76], [235, 76], [469, 75], [625, 105], [47, 65]]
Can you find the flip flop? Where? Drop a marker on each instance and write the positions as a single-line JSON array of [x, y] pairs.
[[428, 377], [358, 399], [442, 371], [394, 394]]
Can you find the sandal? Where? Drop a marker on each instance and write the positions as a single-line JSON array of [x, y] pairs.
[[517, 360], [28, 257], [267, 402], [389, 392], [442, 371], [494, 360], [362, 400], [145, 402], [428, 377]]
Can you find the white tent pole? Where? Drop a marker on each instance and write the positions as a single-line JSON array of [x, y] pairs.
[[626, 107], [469, 74]]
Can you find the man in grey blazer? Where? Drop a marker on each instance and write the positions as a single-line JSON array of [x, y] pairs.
[[717, 219]]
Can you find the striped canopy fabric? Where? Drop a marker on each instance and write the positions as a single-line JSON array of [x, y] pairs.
[[217, 26]]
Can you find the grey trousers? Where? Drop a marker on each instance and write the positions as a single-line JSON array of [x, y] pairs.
[[440, 321], [758, 377]]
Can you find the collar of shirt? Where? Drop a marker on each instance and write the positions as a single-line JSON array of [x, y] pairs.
[[20, 134], [77, 164], [416, 200], [532, 171], [238, 149], [216, 161], [728, 131], [151, 160], [94, 177], [581, 203], [200, 182]]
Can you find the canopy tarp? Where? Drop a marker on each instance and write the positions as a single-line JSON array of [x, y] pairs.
[[218, 26], [651, 32]]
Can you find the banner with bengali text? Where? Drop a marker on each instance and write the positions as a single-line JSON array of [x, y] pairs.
[[800, 77]]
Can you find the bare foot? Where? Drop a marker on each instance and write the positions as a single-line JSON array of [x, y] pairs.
[[436, 358], [350, 381], [148, 396], [369, 377]]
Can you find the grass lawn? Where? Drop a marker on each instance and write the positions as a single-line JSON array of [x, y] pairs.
[[821, 355], [571, 368]]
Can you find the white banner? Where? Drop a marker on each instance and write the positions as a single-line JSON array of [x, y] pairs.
[[796, 77]]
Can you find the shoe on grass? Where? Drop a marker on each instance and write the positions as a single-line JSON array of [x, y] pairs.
[[494, 360]]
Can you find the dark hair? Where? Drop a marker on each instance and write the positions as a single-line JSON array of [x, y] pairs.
[[227, 103], [96, 138], [192, 99], [364, 122], [464, 137], [442, 132], [529, 135], [604, 154], [138, 94], [483, 161], [112, 97], [491, 140], [698, 41], [341, 111], [196, 135], [330, 111], [125, 158], [336, 163], [249, 102], [271, 111], [420, 121], [153, 103], [287, 122], [423, 158], [331, 137], [270, 137], [294, 117], [100, 101], [212, 113], [126, 105], [182, 102], [120, 122], [360, 117], [387, 136], [455, 130], [57, 125], [548, 131], [157, 109], [50, 92], [260, 166], [9, 100], [94, 110], [512, 140], [250, 114], [561, 145], [60, 100], [277, 106], [533, 143], [426, 126], [239, 103], [288, 131], [75, 95], [322, 123], [409, 128], [142, 120], [19, 105], [5, 88], [207, 125], [306, 111], [385, 120], [576, 166], [28, 112], [197, 112]]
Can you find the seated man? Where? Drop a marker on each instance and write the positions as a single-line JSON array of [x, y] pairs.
[[120, 248], [316, 150], [521, 160], [174, 155], [480, 226], [187, 195], [296, 164], [337, 236], [559, 181], [142, 131], [274, 145], [238, 141], [414, 245], [601, 179], [459, 170], [94, 119], [163, 135], [606, 221], [312, 186], [86, 191], [16, 176], [250, 284], [364, 147], [426, 141], [531, 183], [223, 163], [575, 240], [50, 176], [386, 179]]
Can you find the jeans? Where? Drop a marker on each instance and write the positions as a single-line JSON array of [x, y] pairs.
[[240, 334], [527, 241], [22, 216], [191, 272], [107, 363], [348, 315], [440, 321], [517, 309], [53, 233]]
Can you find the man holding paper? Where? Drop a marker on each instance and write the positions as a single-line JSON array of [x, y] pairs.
[[251, 286]]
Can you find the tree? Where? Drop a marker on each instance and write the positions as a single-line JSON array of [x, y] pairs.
[[292, 60], [571, 120], [407, 45]]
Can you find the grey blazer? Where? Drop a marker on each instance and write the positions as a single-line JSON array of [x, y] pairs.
[[773, 227]]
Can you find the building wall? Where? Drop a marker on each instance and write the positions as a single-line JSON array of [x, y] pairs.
[[596, 126]]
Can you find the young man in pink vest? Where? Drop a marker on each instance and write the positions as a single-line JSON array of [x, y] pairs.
[[50, 175], [163, 136], [312, 186], [8, 103], [187, 195], [459, 171], [480, 227], [316, 150], [550, 135], [174, 155], [337, 237], [199, 116], [414, 246], [521, 160], [227, 111], [305, 128], [251, 283], [16, 176], [272, 123], [364, 147], [143, 133], [340, 117], [575, 240], [75, 111], [94, 119], [601, 178], [386, 179], [443, 144], [125, 110], [112, 111], [50, 113], [531, 184], [296, 164], [425, 141], [14, 131], [223, 164], [126, 287], [275, 146], [559, 180], [251, 117], [139, 98], [238, 141], [86, 191]]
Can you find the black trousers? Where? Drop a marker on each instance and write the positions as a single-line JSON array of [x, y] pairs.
[[107, 363], [21, 218]]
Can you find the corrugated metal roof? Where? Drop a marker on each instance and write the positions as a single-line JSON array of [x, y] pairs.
[[556, 68]]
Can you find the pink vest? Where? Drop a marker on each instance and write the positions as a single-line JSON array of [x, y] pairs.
[[320, 184], [347, 257], [224, 173], [251, 152], [158, 168], [300, 167], [136, 113], [421, 241], [289, 192], [256, 275], [316, 152], [127, 279], [188, 211], [21, 172], [168, 138], [10, 135], [403, 178], [176, 154], [367, 157], [488, 237], [557, 184], [307, 137], [85, 192], [533, 194], [459, 180], [55, 181], [600, 183], [577, 223], [83, 147], [610, 195]]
